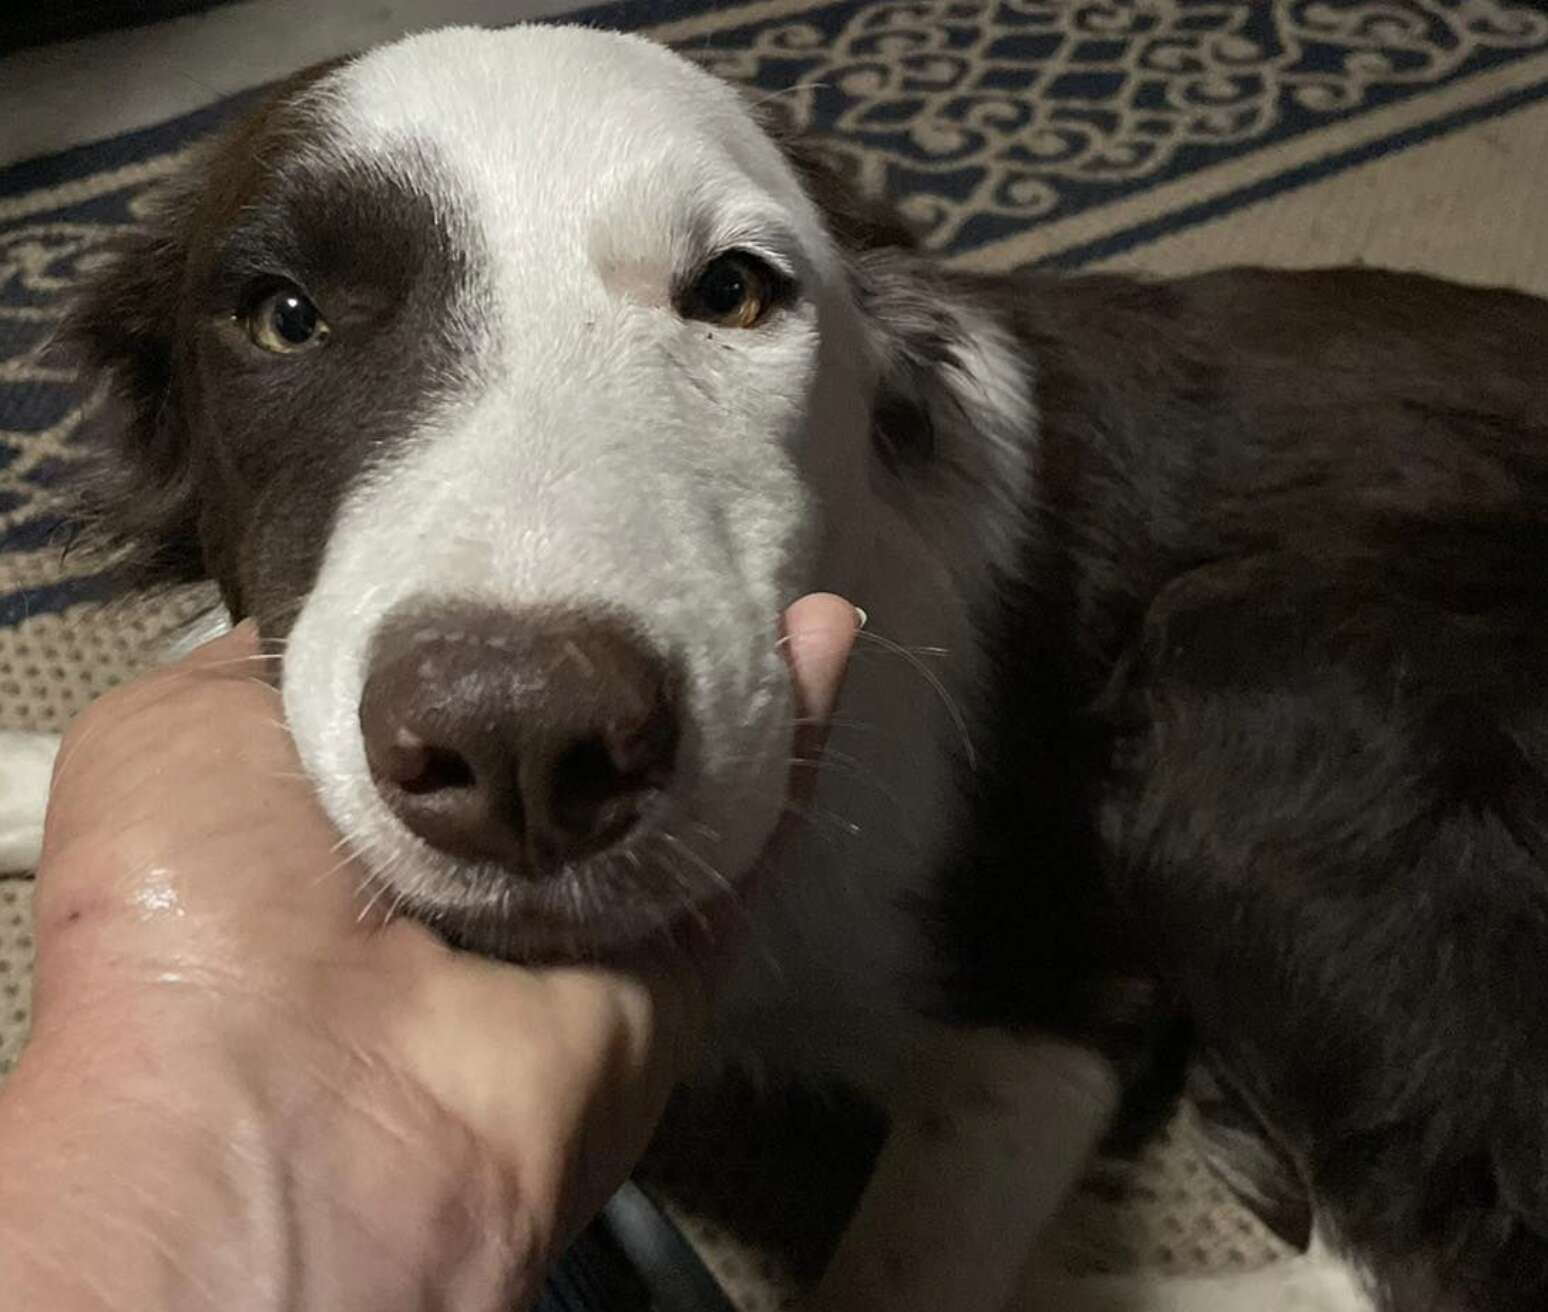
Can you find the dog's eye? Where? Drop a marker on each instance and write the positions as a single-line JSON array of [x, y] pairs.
[[735, 289], [285, 321]]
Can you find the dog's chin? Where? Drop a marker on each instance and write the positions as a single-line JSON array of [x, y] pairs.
[[611, 907], [622, 938]]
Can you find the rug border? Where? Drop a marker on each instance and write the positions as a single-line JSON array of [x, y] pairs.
[[1205, 195]]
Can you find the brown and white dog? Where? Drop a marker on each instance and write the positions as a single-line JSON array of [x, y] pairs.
[[514, 381]]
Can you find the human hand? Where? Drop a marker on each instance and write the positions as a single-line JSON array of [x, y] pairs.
[[240, 1092]]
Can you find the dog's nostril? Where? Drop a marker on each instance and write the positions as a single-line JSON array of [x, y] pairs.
[[585, 778], [598, 785], [645, 746], [419, 767]]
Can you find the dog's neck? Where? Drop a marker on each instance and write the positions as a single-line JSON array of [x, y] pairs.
[[838, 969]]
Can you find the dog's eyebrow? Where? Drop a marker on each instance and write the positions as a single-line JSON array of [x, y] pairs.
[[766, 235], [784, 257], [262, 244], [366, 225]]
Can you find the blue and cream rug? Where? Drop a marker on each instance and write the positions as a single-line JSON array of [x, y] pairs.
[[1161, 134]]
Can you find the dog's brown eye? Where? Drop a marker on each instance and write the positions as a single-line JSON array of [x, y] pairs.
[[285, 321], [734, 289]]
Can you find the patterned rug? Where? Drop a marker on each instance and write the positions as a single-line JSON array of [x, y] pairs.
[[1163, 134]]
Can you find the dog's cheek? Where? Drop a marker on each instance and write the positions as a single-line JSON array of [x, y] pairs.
[[741, 791], [281, 457]]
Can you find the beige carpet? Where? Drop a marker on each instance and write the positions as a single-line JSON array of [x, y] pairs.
[[1424, 144]]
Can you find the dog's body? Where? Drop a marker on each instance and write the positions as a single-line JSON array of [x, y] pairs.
[[1208, 678]]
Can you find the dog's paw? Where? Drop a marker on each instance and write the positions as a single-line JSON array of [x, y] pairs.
[[26, 766]]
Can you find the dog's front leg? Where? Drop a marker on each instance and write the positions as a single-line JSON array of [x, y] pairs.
[[991, 1133], [26, 767]]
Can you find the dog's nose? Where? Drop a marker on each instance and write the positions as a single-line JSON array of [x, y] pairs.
[[528, 738]]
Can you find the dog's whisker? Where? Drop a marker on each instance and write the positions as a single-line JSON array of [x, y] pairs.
[[707, 831], [806, 812], [806, 84], [898, 648], [958, 720], [718, 880], [391, 914], [834, 722], [347, 859], [381, 879], [694, 892], [379, 890], [688, 904], [250, 659]]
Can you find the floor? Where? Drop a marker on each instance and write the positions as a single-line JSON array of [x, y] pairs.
[[61, 95]]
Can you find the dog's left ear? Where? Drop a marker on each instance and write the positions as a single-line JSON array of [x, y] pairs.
[[945, 367], [858, 220], [918, 338]]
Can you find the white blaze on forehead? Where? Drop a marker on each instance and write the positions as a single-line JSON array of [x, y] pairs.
[[565, 137]]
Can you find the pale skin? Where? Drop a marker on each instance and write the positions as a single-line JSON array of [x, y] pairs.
[[240, 1092]]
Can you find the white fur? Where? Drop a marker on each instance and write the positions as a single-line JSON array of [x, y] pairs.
[[602, 450], [1316, 1281], [26, 767], [989, 1134]]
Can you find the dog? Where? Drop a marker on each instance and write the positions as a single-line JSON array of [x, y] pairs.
[[515, 381]]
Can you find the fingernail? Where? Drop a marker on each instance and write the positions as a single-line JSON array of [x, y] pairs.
[[860, 617]]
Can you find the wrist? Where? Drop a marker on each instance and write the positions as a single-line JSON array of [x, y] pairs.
[[137, 1177], [112, 1200]]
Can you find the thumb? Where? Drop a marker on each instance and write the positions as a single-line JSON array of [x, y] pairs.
[[820, 631]]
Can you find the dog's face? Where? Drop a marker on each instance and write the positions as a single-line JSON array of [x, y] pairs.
[[506, 378]]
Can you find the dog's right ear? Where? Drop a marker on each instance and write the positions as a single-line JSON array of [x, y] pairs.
[[136, 502], [859, 220], [126, 330]]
